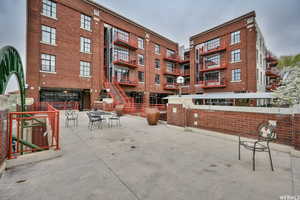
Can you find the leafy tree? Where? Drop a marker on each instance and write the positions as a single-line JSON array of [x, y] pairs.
[[289, 91], [288, 61]]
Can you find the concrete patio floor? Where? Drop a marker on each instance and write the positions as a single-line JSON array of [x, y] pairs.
[[160, 162]]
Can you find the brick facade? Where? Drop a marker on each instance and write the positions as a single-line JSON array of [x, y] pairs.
[[68, 55], [287, 127], [247, 46]]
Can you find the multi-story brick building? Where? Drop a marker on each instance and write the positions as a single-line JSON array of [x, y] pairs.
[[229, 57], [79, 50], [74, 47]]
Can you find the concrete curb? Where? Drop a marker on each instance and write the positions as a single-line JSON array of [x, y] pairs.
[[274, 146], [33, 158]]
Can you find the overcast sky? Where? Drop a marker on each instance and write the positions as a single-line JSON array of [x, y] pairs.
[[279, 20]]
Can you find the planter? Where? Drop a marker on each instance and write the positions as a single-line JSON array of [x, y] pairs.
[[119, 110], [152, 115]]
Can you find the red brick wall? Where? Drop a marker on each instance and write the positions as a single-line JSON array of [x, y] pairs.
[[68, 54], [236, 122], [248, 56]]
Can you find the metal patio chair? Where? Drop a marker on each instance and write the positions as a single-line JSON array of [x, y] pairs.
[[71, 115], [94, 119], [266, 134], [114, 118]]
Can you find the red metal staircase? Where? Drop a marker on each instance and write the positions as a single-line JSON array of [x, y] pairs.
[[118, 94]]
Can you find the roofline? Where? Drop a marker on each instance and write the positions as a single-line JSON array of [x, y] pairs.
[[249, 14], [127, 20]]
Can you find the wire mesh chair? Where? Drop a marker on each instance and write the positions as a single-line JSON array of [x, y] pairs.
[[71, 115], [93, 120], [114, 118], [266, 134]]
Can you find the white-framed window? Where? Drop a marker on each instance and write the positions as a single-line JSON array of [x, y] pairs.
[[212, 60], [85, 69], [48, 63], [170, 52], [141, 60], [236, 55], [49, 8], [236, 75], [140, 43], [170, 67], [157, 79], [141, 76], [85, 22], [157, 49], [48, 35], [157, 63], [85, 45], [121, 35], [121, 53], [211, 44], [235, 37]]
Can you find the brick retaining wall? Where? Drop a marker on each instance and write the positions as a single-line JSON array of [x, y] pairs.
[[288, 126]]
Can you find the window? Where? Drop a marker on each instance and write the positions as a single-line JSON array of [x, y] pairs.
[[211, 44], [235, 37], [85, 45], [47, 63], [141, 76], [121, 35], [157, 79], [121, 53], [156, 49], [141, 60], [213, 60], [157, 63], [49, 8], [170, 53], [236, 75], [85, 69], [170, 80], [236, 55], [85, 22], [212, 76], [48, 35], [140, 43], [170, 67]]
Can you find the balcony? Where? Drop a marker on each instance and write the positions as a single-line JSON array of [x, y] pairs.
[[127, 82], [125, 61], [206, 51], [170, 86], [174, 72], [185, 89], [172, 58], [185, 72], [272, 86], [184, 61], [271, 73], [206, 68], [124, 40], [212, 84]]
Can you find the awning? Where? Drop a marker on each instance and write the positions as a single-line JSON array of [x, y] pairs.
[[227, 95]]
